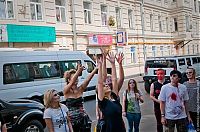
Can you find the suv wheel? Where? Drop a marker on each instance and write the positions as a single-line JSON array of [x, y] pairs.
[[33, 126]]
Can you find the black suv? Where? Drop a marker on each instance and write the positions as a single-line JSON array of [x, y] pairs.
[[23, 115]]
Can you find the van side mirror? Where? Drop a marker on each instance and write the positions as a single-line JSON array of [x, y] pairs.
[[2, 106]]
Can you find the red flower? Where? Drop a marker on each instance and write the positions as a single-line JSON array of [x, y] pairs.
[[173, 96]]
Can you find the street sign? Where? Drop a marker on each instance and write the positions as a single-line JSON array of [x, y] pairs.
[[121, 38]]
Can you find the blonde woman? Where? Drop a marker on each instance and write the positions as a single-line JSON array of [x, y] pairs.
[[74, 100], [109, 104], [56, 114]]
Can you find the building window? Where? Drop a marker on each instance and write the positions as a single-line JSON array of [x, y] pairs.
[[133, 57], [174, 0], [169, 50], [151, 22], [87, 12], [167, 25], [188, 49], [60, 10], [175, 24], [130, 18], [6, 9], [118, 17], [162, 50], [104, 15], [195, 5], [160, 23], [199, 6], [36, 10], [187, 23], [197, 48], [153, 51], [197, 28]]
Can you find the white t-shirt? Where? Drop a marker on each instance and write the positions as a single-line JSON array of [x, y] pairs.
[[57, 118], [174, 100]]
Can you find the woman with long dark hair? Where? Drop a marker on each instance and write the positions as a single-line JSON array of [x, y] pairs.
[[131, 108]]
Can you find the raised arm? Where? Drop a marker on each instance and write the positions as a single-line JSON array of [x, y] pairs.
[[104, 53], [73, 79], [100, 81], [87, 80], [111, 58], [120, 81]]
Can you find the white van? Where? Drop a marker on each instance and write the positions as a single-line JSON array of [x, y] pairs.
[[28, 74], [168, 64]]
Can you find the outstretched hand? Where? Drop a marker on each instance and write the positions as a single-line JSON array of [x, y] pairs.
[[80, 67], [120, 57], [111, 57], [104, 52]]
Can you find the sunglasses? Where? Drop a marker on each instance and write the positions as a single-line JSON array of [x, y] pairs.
[[188, 72], [55, 95], [131, 82]]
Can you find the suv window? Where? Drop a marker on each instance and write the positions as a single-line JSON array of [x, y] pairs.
[[181, 62], [89, 66], [194, 60], [160, 63]]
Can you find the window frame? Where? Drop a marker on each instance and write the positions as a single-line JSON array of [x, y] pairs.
[[88, 11], [60, 12], [6, 10], [151, 22], [104, 13], [118, 17], [130, 19], [35, 9], [175, 24]]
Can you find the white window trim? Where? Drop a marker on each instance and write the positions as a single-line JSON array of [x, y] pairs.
[[6, 11], [35, 3], [102, 12], [88, 10], [120, 17], [131, 19], [60, 12]]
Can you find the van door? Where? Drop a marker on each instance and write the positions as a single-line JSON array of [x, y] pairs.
[[182, 66]]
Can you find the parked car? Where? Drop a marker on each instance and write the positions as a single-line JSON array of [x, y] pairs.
[[23, 115]]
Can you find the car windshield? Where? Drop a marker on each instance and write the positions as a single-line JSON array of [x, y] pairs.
[[161, 63]]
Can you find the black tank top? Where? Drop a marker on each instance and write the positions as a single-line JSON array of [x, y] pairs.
[[157, 88]]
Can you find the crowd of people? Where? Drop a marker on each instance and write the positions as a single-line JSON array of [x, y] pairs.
[[175, 104]]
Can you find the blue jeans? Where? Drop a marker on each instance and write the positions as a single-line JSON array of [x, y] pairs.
[[133, 118]]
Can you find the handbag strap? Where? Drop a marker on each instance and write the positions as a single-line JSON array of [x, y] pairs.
[[65, 121]]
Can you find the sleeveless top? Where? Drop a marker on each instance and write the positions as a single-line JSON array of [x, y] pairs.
[[112, 112], [157, 88], [76, 110]]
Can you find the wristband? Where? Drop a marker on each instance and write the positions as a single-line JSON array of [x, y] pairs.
[[162, 115]]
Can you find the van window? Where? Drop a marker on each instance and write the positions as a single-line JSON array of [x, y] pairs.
[[198, 59], [188, 61], [89, 66], [194, 60], [161, 63], [68, 65], [47, 69], [16, 73], [181, 62]]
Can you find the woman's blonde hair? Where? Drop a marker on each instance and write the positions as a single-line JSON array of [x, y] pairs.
[[67, 75], [48, 96]]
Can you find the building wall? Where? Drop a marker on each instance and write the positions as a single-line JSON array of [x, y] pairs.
[[143, 40]]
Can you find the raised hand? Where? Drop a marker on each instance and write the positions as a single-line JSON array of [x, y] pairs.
[[120, 57], [104, 52], [111, 57], [80, 67]]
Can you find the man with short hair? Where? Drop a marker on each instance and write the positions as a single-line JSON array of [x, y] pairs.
[[173, 97], [154, 93], [193, 86]]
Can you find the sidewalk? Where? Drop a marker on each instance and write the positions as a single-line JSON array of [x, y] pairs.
[[132, 71]]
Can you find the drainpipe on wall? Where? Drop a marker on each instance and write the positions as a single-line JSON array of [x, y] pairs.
[[142, 23], [74, 27]]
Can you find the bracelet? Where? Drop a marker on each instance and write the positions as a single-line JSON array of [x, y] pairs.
[[162, 115]]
